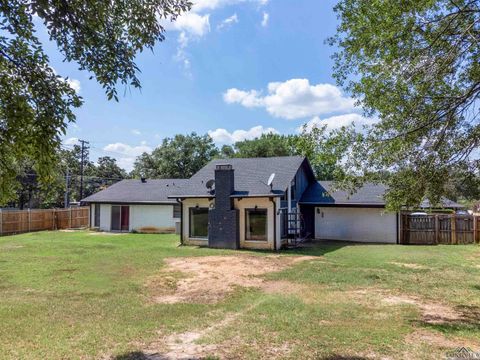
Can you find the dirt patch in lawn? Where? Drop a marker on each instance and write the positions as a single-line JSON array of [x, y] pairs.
[[96, 233], [432, 312], [209, 279], [410, 265], [11, 247]]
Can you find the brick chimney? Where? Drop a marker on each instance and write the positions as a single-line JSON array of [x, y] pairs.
[[223, 218], [224, 186]]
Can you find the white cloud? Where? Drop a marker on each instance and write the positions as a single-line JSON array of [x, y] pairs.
[[126, 154], [195, 24], [248, 99], [74, 84], [192, 24], [266, 17], [136, 132], [225, 137], [293, 99], [336, 122], [71, 141], [202, 5], [228, 21]]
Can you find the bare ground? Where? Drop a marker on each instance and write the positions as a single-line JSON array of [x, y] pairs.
[[210, 279]]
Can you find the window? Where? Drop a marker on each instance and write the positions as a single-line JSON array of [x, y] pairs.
[[256, 224], [120, 218], [177, 211], [97, 216], [199, 223], [294, 188]]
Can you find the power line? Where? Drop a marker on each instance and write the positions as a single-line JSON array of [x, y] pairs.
[[83, 150]]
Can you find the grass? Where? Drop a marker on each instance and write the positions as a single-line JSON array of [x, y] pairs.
[[70, 295]]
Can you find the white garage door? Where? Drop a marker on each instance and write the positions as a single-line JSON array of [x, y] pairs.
[[355, 224]]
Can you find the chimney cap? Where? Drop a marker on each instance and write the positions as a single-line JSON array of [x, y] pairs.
[[223, 167]]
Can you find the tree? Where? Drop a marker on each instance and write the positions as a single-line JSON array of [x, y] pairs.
[[227, 151], [177, 157], [107, 169], [267, 145], [416, 66], [325, 150], [36, 104]]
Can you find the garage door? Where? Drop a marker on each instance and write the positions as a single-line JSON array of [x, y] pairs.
[[355, 224]]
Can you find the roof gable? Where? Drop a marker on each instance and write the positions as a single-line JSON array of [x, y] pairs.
[[251, 176], [370, 194], [135, 191]]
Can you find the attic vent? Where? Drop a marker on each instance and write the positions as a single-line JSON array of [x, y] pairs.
[[143, 180]]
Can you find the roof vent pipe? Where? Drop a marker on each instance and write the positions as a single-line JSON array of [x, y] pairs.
[[143, 180]]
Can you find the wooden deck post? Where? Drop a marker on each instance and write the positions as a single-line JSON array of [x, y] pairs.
[[453, 229]]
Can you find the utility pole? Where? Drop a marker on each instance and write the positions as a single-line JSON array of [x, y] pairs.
[[84, 148], [67, 179]]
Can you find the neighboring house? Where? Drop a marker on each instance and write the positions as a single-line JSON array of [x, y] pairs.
[[136, 205], [254, 203]]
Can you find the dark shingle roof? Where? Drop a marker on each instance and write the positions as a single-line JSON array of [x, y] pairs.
[[322, 193], [251, 176], [134, 191]]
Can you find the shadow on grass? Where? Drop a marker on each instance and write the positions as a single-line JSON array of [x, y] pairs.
[[310, 248], [468, 320], [341, 357], [134, 355], [139, 355]]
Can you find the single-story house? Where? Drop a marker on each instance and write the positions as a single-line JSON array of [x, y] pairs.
[[136, 205], [253, 203]]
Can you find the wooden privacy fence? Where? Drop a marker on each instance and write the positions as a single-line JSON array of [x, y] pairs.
[[439, 229], [21, 221]]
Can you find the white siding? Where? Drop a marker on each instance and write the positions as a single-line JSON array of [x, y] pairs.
[[355, 224], [105, 216], [92, 215], [155, 218], [152, 218]]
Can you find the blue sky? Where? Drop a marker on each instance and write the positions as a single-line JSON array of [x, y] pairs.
[[233, 68]]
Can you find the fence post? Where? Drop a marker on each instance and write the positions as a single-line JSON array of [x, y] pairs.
[[70, 218], [29, 219], [475, 229], [437, 229], [453, 229], [1, 222]]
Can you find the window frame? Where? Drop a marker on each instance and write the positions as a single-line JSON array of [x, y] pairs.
[[177, 210], [247, 222], [190, 209], [96, 215]]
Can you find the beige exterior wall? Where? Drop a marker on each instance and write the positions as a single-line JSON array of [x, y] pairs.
[[261, 203], [187, 204], [241, 205]]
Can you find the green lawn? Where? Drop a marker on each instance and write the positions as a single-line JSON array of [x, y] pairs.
[[71, 295]]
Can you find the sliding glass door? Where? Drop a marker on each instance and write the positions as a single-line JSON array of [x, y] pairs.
[[120, 218]]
